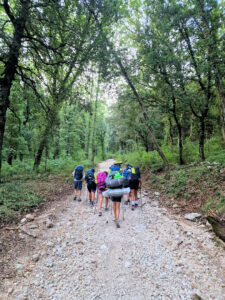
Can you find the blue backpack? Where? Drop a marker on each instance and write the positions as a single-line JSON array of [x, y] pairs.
[[127, 174], [115, 168], [78, 173]]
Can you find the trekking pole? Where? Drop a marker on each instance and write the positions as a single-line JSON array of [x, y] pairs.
[[107, 221], [87, 198], [123, 207], [141, 199], [96, 202], [111, 204]]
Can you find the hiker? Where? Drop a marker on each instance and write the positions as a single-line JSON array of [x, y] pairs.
[[78, 175], [135, 183], [127, 175], [114, 182], [101, 177], [91, 185]]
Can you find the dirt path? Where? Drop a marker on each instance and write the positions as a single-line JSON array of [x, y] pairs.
[[152, 256]]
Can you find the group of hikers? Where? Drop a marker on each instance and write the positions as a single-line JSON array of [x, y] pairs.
[[114, 184]]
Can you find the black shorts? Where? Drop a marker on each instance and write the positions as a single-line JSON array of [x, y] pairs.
[[116, 199], [91, 187], [134, 185]]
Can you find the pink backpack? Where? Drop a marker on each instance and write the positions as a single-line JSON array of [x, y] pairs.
[[101, 180]]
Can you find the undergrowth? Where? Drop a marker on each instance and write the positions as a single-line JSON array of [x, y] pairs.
[[19, 189], [194, 183], [16, 199]]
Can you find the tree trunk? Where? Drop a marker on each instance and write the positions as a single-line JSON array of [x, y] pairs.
[[56, 151], [222, 104], [10, 158], [41, 148], [202, 138], [170, 132], [88, 137], [93, 147], [21, 156], [11, 64], [103, 150], [179, 128]]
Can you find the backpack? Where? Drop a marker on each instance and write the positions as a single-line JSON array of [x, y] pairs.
[[135, 174], [101, 180], [127, 175], [90, 177], [78, 173], [114, 168], [114, 180]]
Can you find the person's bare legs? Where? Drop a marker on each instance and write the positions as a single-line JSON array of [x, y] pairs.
[[114, 208], [79, 194], [106, 202], [93, 196], [132, 198], [117, 210], [89, 196], [100, 201], [136, 197]]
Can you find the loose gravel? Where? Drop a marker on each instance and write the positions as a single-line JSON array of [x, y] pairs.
[[152, 256]]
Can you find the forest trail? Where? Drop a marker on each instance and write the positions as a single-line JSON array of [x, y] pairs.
[[152, 256]]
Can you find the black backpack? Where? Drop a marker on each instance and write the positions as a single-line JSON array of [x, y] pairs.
[[90, 177], [135, 174]]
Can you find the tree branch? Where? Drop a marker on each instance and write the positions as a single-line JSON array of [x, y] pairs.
[[8, 11]]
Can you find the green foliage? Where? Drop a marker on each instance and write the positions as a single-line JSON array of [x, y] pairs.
[[177, 183], [15, 199], [216, 202], [144, 160]]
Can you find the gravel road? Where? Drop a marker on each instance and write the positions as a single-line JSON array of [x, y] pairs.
[[83, 256]]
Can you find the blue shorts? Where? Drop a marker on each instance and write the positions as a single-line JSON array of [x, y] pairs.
[[77, 184]]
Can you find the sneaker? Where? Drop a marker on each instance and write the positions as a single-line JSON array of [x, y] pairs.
[[127, 202], [100, 214], [106, 209], [91, 203], [117, 224], [136, 205], [75, 198], [132, 207], [79, 200]]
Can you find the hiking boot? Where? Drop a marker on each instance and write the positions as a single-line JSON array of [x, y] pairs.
[[99, 213], [106, 209], [127, 202], [132, 207], [75, 198], [117, 223], [79, 200]]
